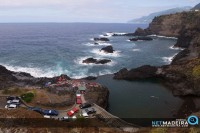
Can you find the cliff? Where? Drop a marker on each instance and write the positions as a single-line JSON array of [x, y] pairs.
[[183, 74]]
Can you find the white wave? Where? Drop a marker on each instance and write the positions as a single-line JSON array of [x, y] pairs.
[[163, 37], [106, 35], [91, 39], [110, 34], [100, 73], [119, 33], [80, 62], [136, 50], [176, 48], [104, 72], [99, 44], [36, 72], [169, 59], [102, 53]]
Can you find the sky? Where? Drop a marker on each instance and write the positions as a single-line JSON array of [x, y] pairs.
[[103, 11]]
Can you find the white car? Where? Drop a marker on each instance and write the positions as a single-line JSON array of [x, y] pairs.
[[13, 101], [11, 106], [74, 117], [65, 118], [84, 113], [47, 116]]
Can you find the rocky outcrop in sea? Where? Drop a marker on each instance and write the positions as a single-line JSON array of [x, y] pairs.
[[96, 61], [108, 49]]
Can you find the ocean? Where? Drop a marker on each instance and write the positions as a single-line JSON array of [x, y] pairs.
[[51, 49], [47, 50]]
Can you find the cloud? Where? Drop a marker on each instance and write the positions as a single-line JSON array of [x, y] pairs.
[[82, 10]]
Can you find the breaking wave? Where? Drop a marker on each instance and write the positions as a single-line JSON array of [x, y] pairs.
[[36, 72], [176, 48], [163, 37], [99, 44], [136, 50], [102, 53], [169, 59]]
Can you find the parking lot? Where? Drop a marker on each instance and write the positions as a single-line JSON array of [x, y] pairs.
[[2, 102]]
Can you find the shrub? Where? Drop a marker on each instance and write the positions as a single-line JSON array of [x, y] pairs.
[[27, 97], [196, 71]]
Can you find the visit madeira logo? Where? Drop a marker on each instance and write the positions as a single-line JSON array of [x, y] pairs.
[[191, 120]]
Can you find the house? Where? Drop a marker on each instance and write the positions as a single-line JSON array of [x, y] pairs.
[[82, 89], [78, 96], [93, 84]]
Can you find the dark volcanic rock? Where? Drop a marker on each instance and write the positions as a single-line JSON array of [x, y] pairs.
[[90, 60], [143, 72], [102, 39], [95, 61], [98, 95], [103, 61], [140, 32], [141, 38], [108, 49]]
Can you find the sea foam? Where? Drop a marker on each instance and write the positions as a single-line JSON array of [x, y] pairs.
[[99, 44], [136, 50], [176, 48], [169, 59], [102, 53], [163, 37]]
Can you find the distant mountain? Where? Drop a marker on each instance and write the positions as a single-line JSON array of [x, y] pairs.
[[197, 7], [148, 19]]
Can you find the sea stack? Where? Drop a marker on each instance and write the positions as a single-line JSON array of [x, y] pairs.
[[108, 49]]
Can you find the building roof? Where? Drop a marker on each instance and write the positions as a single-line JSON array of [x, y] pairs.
[[81, 88]]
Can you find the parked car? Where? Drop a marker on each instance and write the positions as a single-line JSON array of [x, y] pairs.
[[15, 101], [11, 106], [84, 113], [78, 101], [50, 112], [47, 116], [71, 113], [36, 109], [65, 118], [12, 98], [90, 110], [85, 105]]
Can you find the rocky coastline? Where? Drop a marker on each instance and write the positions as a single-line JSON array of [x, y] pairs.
[[183, 74], [10, 79]]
